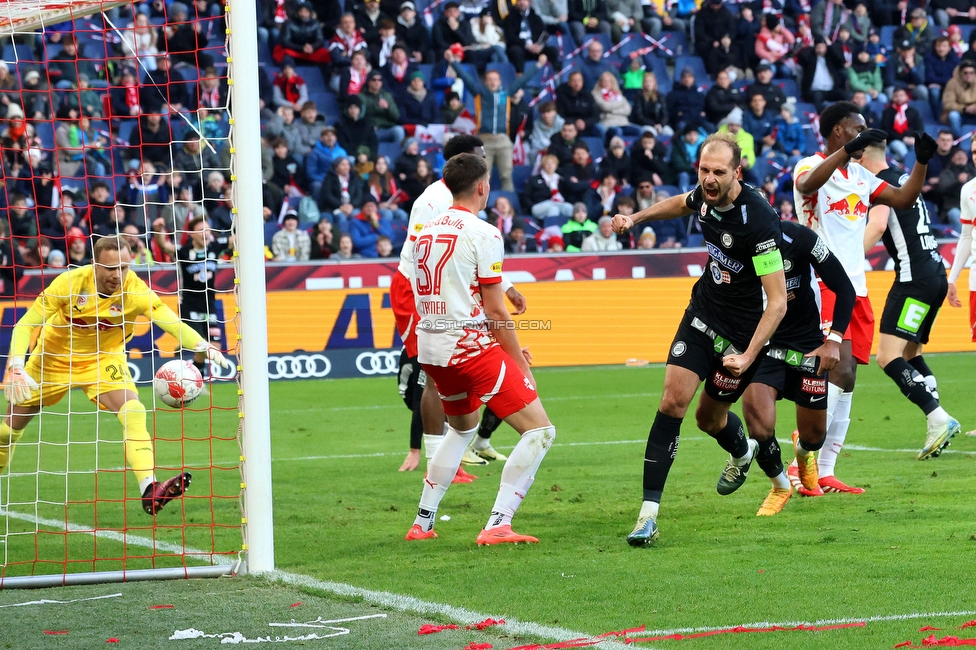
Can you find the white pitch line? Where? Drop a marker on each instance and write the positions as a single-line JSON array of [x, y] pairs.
[[45, 601], [909, 451], [382, 598], [829, 621]]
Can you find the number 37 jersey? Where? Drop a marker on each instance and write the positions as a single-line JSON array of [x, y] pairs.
[[454, 255]]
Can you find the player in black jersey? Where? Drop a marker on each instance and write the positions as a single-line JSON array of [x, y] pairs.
[[918, 292], [196, 260], [797, 362], [724, 328]]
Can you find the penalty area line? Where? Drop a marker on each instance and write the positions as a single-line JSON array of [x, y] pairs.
[[385, 599]]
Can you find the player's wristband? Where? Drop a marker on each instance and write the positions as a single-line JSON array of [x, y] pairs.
[[835, 337]]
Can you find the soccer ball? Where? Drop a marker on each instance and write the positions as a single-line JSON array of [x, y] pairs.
[[177, 383]]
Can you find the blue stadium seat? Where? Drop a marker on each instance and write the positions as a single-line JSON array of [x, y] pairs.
[[888, 36], [511, 196], [428, 70], [802, 108], [966, 31], [595, 145], [672, 190], [638, 42], [18, 53], [693, 62], [391, 150], [677, 42], [312, 76], [520, 175], [924, 111], [813, 145], [554, 221], [327, 104], [45, 131], [506, 70], [660, 70], [790, 89], [933, 129]]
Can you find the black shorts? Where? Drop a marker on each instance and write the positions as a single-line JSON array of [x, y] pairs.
[[410, 380], [803, 384], [911, 307], [700, 350], [201, 323]]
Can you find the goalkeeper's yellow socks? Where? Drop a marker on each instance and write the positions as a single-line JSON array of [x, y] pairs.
[[138, 445], [8, 438]]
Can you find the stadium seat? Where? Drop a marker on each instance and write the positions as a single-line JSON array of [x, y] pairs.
[[327, 104], [693, 62], [672, 190], [428, 70], [18, 53], [677, 42], [595, 145], [802, 108], [45, 131], [966, 31], [505, 70], [813, 144], [933, 129], [391, 150], [511, 196], [924, 111], [554, 221], [312, 76], [520, 175], [660, 70], [790, 89], [888, 36], [638, 42]]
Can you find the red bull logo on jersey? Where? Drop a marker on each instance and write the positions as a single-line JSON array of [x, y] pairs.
[[851, 208]]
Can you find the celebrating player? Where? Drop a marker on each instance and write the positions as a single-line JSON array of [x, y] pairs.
[[914, 300], [832, 197], [86, 316], [428, 416], [725, 326], [467, 345], [964, 249], [796, 363]]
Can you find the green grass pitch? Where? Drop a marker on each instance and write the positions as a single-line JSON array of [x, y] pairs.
[[905, 547]]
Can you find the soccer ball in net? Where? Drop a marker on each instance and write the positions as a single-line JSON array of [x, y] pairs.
[[177, 383]]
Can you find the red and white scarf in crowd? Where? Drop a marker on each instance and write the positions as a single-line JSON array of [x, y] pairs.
[[399, 71], [357, 79], [349, 42], [610, 95], [901, 119], [552, 182], [344, 188]]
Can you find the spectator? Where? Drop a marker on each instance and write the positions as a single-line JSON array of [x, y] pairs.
[[9, 87], [124, 97], [342, 192], [957, 173], [721, 98], [452, 107], [588, 17], [164, 89], [939, 66], [712, 22], [865, 76], [686, 105], [354, 130], [418, 103], [291, 243], [575, 177], [959, 98], [351, 81], [150, 140], [821, 81], [600, 200], [941, 159], [494, 115], [55, 226], [363, 165], [906, 70], [302, 39], [136, 240], [733, 124], [578, 228], [406, 164], [843, 47], [633, 78], [368, 19], [65, 66], [195, 159], [381, 184], [859, 25], [185, 40], [140, 43], [613, 106], [516, 242], [416, 183], [542, 192], [212, 92], [774, 95], [826, 19], [399, 72], [649, 109], [603, 239], [648, 239], [98, 207], [544, 129], [786, 210], [35, 94], [626, 206], [78, 248], [919, 31], [450, 30], [871, 118], [555, 15], [900, 121], [282, 124], [616, 161], [384, 247], [956, 12], [775, 44], [648, 161], [414, 34], [525, 35], [561, 145], [576, 105], [345, 251], [593, 65], [747, 27], [504, 214], [381, 109], [959, 46], [790, 139], [759, 123], [23, 224], [289, 88], [684, 155], [367, 227], [728, 56], [488, 36], [324, 243], [671, 233], [287, 176], [626, 16]]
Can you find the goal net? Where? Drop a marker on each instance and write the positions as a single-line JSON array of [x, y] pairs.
[[117, 120]]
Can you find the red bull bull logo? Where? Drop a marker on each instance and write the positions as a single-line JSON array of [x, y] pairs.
[[850, 207]]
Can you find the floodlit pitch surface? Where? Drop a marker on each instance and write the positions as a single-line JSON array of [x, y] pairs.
[[896, 557]]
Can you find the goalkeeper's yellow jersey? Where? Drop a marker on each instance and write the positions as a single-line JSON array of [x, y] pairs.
[[79, 322]]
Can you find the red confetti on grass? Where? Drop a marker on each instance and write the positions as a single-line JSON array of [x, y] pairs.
[[161, 606], [478, 646], [55, 631], [929, 628], [113, 640], [294, 605], [433, 629], [582, 642], [745, 630], [488, 622], [903, 644], [968, 624], [945, 642]]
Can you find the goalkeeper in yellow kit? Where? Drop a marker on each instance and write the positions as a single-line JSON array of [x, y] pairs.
[[87, 315]]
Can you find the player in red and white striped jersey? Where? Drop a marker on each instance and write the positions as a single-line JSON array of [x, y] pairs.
[[468, 347]]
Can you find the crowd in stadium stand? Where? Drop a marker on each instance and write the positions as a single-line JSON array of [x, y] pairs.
[[587, 108]]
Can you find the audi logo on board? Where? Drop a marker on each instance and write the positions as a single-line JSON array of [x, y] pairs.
[[380, 362], [299, 366]]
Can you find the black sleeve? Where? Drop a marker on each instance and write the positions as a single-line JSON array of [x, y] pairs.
[[695, 199], [768, 235], [833, 275]]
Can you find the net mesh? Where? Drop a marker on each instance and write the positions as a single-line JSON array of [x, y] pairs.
[[115, 119]]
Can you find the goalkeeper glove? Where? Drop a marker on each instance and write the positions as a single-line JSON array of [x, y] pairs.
[[863, 139], [18, 385], [213, 354]]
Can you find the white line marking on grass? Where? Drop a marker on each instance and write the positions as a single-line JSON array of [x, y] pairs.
[[832, 621], [909, 451], [45, 601], [382, 598]]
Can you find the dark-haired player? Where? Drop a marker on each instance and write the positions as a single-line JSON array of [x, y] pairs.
[[915, 298], [832, 197], [796, 363], [469, 351], [428, 416], [725, 327]]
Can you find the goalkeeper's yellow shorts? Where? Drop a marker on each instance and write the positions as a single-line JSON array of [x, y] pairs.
[[96, 374]]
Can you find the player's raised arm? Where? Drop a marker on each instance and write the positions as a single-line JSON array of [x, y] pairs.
[[834, 277], [774, 284], [675, 206], [905, 196], [169, 322], [876, 226], [809, 181], [18, 385]]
